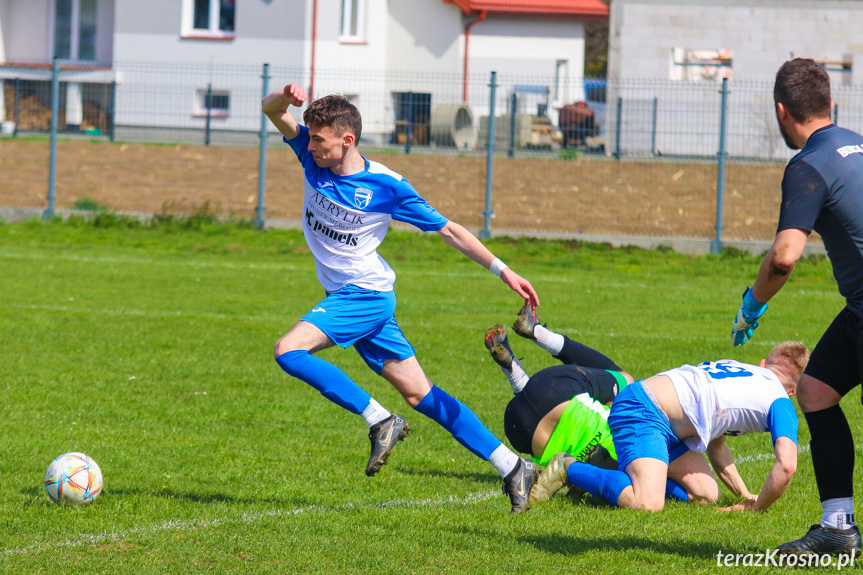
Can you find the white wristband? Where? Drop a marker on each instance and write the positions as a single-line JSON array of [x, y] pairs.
[[497, 266]]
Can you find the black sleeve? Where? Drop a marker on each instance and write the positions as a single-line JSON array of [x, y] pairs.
[[803, 194], [575, 353]]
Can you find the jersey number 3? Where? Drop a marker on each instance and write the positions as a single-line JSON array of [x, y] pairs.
[[721, 370]]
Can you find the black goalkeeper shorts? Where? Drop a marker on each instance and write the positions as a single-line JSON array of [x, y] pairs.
[[837, 359]]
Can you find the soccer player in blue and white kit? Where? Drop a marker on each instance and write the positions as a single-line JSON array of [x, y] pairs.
[[663, 424], [822, 190], [348, 205]]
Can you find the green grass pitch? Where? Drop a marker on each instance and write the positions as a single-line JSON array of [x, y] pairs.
[[150, 349]]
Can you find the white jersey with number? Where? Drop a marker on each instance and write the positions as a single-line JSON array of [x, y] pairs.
[[727, 397], [345, 219]]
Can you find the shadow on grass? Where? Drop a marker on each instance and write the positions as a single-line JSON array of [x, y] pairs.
[[488, 478], [575, 545], [35, 497]]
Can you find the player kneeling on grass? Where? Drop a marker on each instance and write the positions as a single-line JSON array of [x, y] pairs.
[[348, 205], [563, 410], [661, 426]]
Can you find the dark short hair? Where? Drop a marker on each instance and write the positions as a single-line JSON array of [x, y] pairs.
[[803, 87], [337, 112]]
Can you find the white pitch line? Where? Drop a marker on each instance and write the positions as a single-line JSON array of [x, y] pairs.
[[471, 272], [578, 333], [190, 524], [164, 262], [140, 313], [763, 456]]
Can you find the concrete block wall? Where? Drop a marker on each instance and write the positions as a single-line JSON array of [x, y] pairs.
[[760, 34]]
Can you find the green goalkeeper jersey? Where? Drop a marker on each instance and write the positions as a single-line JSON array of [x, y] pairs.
[[583, 424]]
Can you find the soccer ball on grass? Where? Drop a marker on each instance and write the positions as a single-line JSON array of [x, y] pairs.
[[73, 479]]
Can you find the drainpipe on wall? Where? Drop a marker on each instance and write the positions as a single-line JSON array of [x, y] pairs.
[[314, 45], [466, 43]]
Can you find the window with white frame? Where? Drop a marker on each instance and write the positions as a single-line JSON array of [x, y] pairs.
[[353, 16], [209, 18], [75, 30], [215, 103]]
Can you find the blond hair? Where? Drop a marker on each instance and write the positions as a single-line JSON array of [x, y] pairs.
[[790, 357]]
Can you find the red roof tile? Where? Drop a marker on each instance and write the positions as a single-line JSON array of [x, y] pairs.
[[592, 9]]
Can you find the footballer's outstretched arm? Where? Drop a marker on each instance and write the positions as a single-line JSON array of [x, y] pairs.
[[778, 479], [722, 462], [468, 244], [780, 476], [275, 107], [778, 263]]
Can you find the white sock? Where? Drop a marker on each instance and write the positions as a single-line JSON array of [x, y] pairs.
[[374, 413], [516, 376], [504, 460], [838, 513], [548, 340]]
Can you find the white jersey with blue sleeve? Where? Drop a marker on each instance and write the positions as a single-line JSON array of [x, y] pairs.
[[345, 219], [727, 397]]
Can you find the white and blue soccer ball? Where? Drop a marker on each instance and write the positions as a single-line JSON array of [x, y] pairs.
[[73, 479]]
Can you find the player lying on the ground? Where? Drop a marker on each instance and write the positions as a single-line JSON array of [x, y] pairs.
[[661, 426], [563, 409]]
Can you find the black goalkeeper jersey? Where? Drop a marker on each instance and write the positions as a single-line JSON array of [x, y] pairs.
[[823, 190]]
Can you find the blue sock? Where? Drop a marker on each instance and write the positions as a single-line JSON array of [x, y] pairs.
[[332, 382], [606, 484], [460, 421], [673, 490]]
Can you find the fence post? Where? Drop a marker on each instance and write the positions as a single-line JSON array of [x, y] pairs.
[[112, 124], [209, 104], [409, 113], [653, 128], [16, 112], [262, 158], [489, 160], [512, 109], [716, 244], [617, 128], [836, 114], [52, 161]]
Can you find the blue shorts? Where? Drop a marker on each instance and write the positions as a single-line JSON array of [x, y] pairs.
[[365, 319], [639, 429]]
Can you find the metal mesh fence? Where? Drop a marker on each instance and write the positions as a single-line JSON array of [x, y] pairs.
[[636, 157]]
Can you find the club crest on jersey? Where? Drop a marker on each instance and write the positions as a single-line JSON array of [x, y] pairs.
[[362, 197]]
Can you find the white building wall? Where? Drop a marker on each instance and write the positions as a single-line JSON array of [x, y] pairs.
[[273, 32], [526, 46], [405, 45], [335, 52], [429, 40], [149, 34], [759, 35], [527, 51], [27, 30], [3, 18], [105, 32]]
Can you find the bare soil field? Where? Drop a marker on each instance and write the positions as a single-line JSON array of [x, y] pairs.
[[549, 195]]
